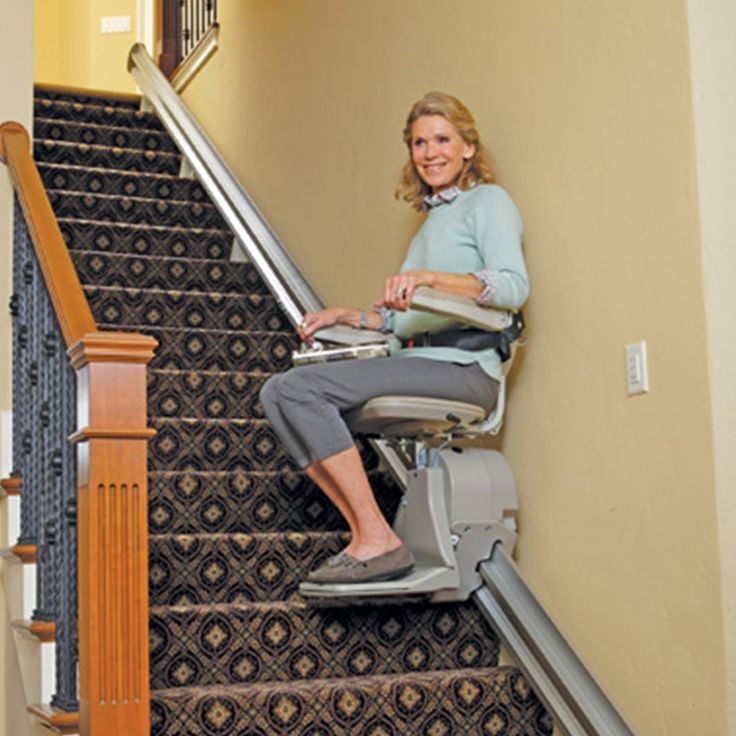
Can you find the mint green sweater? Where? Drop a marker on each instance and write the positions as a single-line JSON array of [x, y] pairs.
[[479, 231]]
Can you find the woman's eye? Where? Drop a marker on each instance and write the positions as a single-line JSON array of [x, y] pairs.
[[443, 139], [418, 143]]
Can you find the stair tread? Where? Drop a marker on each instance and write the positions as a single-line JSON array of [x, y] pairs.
[[44, 91], [105, 171], [218, 296], [197, 330], [272, 536], [101, 126], [134, 198], [340, 682], [145, 228], [211, 421], [50, 142], [188, 371], [104, 112]]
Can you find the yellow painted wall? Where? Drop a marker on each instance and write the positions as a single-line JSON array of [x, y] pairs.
[[71, 50], [587, 108]]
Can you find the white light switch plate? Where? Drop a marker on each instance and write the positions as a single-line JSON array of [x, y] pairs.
[[637, 372], [115, 24]]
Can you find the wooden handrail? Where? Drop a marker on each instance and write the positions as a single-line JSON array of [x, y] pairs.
[[70, 303], [111, 439]]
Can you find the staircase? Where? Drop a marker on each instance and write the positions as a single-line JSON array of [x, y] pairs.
[[234, 526]]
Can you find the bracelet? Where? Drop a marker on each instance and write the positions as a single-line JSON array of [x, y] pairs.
[[386, 319], [363, 321]]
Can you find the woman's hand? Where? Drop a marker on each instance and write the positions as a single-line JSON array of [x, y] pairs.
[[315, 321], [398, 291]]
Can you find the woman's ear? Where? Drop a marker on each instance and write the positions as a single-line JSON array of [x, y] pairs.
[[469, 152]]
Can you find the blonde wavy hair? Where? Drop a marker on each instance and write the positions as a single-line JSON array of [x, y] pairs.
[[475, 170]]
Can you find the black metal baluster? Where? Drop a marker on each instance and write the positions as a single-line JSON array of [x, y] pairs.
[[44, 415], [46, 574], [67, 646], [25, 376], [18, 312]]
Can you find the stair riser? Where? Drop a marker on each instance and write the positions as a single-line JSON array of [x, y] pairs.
[[162, 242], [78, 154], [99, 181], [144, 272], [96, 114], [186, 503], [186, 446], [119, 137], [250, 644], [162, 212], [486, 702], [212, 396], [192, 569], [179, 309], [85, 98], [203, 350]]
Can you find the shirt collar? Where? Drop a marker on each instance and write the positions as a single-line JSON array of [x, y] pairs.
[[444, 197]]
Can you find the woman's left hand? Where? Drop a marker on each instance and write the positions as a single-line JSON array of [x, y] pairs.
[[398, 291]]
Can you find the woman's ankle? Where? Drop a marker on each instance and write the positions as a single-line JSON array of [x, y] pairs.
[[372, 547]]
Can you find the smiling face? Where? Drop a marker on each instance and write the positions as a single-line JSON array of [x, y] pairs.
[[438, 151]]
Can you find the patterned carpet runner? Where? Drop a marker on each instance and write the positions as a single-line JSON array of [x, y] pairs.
[[234, 526]]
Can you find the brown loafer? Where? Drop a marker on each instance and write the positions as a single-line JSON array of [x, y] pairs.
[[346, 569]]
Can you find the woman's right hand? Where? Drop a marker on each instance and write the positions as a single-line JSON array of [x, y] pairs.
[[315, 321]]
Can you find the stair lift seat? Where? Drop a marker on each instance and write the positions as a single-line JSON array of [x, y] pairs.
[[459, 502]]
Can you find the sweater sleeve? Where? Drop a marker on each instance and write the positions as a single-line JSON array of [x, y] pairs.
[[497, 226]]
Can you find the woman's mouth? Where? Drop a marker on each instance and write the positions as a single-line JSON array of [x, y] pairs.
[[433, 168]]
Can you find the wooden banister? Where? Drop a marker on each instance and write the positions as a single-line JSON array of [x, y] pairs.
[[111, 440], [70, 304]]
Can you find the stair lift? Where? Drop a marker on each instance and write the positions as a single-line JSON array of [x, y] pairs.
[[459, 501]]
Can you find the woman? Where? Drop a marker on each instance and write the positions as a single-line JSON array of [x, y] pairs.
[[469, 244]]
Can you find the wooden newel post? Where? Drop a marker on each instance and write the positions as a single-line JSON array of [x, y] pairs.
[[112, 526]]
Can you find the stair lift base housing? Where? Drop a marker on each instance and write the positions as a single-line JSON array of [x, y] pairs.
[[451, 516]]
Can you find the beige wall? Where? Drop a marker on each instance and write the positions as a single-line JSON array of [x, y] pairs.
[[71, 50], [16, 43], [712, 33], [587, 107]]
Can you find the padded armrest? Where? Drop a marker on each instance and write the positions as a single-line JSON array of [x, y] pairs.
[[462, 309]]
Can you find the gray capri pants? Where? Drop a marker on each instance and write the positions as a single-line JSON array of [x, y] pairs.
[[305, 405]]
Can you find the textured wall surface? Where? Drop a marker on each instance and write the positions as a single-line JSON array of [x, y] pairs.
[[587, 108]]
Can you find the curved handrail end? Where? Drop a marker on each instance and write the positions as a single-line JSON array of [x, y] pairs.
[[10, 127], [130, 63]]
